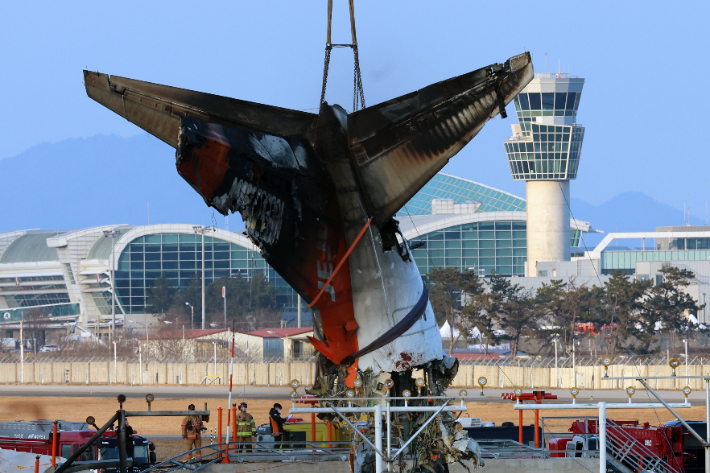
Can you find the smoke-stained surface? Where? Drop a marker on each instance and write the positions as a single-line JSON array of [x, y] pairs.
[[308, 187]]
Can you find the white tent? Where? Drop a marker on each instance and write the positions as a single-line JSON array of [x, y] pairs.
[[445, 331]]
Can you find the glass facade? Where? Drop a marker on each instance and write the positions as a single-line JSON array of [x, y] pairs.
[[625, 261], [547, 143], [53, 291], [443, 186], [545, 148], [54, 311], [691, 243], [482, 247], [547, 152], [179, 256]]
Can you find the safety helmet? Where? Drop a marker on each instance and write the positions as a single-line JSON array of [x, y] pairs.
[[191, 407], [243, 404]]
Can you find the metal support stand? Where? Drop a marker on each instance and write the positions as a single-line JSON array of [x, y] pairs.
[[378, 438], [386, 455], [602, 437], [122, 440]]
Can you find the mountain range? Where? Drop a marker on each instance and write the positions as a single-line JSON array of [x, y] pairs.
[[103, 180]]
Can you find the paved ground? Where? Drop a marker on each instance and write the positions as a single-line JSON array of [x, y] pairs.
[[281, 392]]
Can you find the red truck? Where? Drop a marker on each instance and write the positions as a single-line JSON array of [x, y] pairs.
[[36, 437]]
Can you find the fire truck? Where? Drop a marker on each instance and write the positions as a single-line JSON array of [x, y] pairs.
[[36, 437]]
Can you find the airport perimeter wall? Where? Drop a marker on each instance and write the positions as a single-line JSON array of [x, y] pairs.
[[280, 374]]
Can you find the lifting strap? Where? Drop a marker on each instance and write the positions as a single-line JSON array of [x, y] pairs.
[[358, 92], [340, 264]]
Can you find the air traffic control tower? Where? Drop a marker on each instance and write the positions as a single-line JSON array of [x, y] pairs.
[[544, 152]]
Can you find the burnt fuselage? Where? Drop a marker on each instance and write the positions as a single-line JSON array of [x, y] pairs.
[[312, 187]]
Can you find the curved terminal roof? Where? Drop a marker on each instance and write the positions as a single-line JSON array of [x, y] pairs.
[[30, 248], [418, 225], [445, 186], [131, 234], [102, 248]]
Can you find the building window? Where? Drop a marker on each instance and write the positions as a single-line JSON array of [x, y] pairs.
[[70, 273]]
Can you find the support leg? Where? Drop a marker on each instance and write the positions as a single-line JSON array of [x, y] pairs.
[[378, 438]]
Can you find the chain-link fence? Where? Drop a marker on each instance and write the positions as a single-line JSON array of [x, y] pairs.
[[567, 362]]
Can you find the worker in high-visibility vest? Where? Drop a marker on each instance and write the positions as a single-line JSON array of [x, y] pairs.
[[192, 433], [246, 429]]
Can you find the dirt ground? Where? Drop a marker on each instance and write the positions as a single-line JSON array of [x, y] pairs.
[[78, 408]]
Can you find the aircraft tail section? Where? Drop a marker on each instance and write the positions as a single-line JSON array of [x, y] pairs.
[[399, 145]]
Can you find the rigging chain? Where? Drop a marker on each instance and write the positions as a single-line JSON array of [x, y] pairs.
[[358, 91]]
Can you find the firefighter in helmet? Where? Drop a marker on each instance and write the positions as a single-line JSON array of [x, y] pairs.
[[192, 432], [246, 429]]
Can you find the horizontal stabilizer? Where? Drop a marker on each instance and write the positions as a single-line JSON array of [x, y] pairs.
[[399, 145], [158, 108]]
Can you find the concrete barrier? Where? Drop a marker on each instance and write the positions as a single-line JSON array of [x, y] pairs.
[[281, 374]]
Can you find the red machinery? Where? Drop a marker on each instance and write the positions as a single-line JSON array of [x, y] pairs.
[[666, 443], [536, 396], [36, 437]]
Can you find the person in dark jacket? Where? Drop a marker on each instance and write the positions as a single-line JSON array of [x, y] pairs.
[[277, 425], [128, 435]]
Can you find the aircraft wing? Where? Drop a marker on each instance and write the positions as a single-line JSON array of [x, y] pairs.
[[158, 108], [399, 145]]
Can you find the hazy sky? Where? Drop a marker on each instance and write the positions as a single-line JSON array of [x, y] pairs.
[[645, 64]]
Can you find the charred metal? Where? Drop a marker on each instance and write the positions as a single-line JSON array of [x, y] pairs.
[[312, 188]]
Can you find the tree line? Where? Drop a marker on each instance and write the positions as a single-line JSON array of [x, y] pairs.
[[621, 313], [251, 303]]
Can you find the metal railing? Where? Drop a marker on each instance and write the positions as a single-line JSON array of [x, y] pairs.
[[257, 452], [634, 454]]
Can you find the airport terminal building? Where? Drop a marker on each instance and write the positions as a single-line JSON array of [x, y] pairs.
[[451, 222]]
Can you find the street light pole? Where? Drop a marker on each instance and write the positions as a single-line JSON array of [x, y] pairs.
[[140, 350], [203, 278], [557, 379], [192, 318], [574, 367], [201, 229], [22, 351], [112, 234], [298, 323], [687, 380]]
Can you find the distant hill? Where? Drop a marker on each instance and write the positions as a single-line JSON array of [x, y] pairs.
[[97, 181], [102, 180], [628, 212]]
